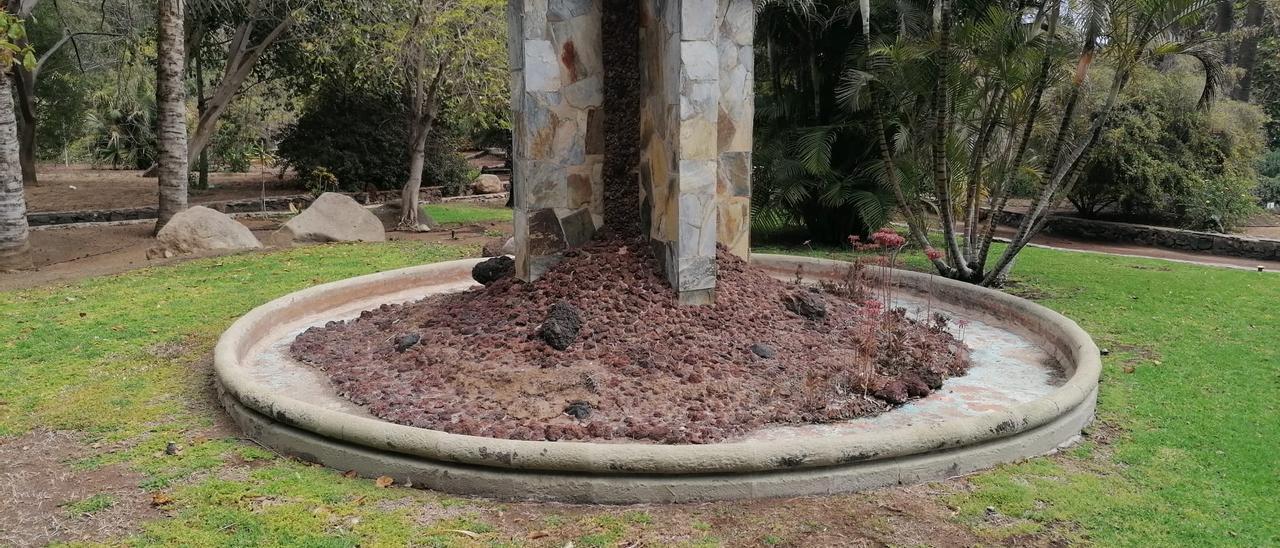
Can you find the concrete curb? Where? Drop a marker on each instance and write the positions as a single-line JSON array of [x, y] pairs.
[[620, 473]]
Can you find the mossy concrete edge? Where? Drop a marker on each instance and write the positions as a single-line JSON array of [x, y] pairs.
[[619, 473]]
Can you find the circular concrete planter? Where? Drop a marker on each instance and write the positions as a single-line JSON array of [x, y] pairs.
[[294, 423]]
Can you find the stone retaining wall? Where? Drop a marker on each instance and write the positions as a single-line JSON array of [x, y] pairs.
[[429, 195], [1170, 238], [273, 203]]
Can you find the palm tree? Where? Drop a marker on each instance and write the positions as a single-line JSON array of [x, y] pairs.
[[171, 111], [14, 233], [809, 148], [978, 91]]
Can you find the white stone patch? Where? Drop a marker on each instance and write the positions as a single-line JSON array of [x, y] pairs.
[[541, 66]]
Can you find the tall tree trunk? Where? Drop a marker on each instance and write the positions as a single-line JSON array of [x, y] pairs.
[[171, 112], [425, 107], [1249, 49], [14, 247], [25, 82], [941, 131], [410, 194], [1225, 21], [202, 104]]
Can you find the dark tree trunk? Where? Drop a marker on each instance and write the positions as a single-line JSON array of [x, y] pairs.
[[25, 82], [1226, 15], [1249, 49]]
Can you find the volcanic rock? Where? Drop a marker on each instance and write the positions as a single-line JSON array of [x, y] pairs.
[[407, 341], [579, 410], [763, 350], [806, 304], [493, 269], [562, 325]]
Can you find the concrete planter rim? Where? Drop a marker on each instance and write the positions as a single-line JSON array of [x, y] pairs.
[[1070, 344]]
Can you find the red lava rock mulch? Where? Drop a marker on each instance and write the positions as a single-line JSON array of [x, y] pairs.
[[642, 367]]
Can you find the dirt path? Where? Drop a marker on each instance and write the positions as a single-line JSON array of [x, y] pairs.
[[70, 253], [81, 187]]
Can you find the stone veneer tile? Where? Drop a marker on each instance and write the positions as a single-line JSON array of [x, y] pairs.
[[696, 123], [698, 19], [541, 66]]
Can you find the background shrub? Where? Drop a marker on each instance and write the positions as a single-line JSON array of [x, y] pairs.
[[1162, 160], [359, 138]]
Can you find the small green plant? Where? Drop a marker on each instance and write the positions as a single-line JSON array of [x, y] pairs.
[[319, 181], [93, 504]]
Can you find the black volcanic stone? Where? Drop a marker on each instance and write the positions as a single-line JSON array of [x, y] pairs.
[[493, 270], [763, 350], [579, 410], [806, 304], [561, 327], [407, 341]]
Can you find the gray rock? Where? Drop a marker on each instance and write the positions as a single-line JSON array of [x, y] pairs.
[[493, 269], [200, 229], [331, 218], [763, 350], [806, 304], [407, 341], [487, 184], [562, 325], [579, 410]]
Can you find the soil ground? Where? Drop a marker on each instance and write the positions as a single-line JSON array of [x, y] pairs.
[[64, 254], [81, 187], [43, 498]]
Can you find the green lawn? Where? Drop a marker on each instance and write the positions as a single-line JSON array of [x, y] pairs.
[[1185, 450], [468, 214]]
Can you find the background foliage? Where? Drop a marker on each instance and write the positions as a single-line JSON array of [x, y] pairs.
[[1161, 159], [359, 137]]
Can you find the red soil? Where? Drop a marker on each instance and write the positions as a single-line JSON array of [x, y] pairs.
[[646, 368]]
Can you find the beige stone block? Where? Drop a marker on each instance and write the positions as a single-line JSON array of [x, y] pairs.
[[700, 60], [733, 227], [698, 139]]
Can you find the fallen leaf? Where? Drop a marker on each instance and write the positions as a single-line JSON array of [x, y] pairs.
[[537, 535], [384, 481], [463, 532]]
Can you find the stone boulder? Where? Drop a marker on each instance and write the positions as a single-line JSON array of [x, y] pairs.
[[201, 230], [331, 218], [488, 184]]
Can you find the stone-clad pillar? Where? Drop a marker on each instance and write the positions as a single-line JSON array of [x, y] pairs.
[[696, 109], [735, 122], [696, 132], [558, 149]]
